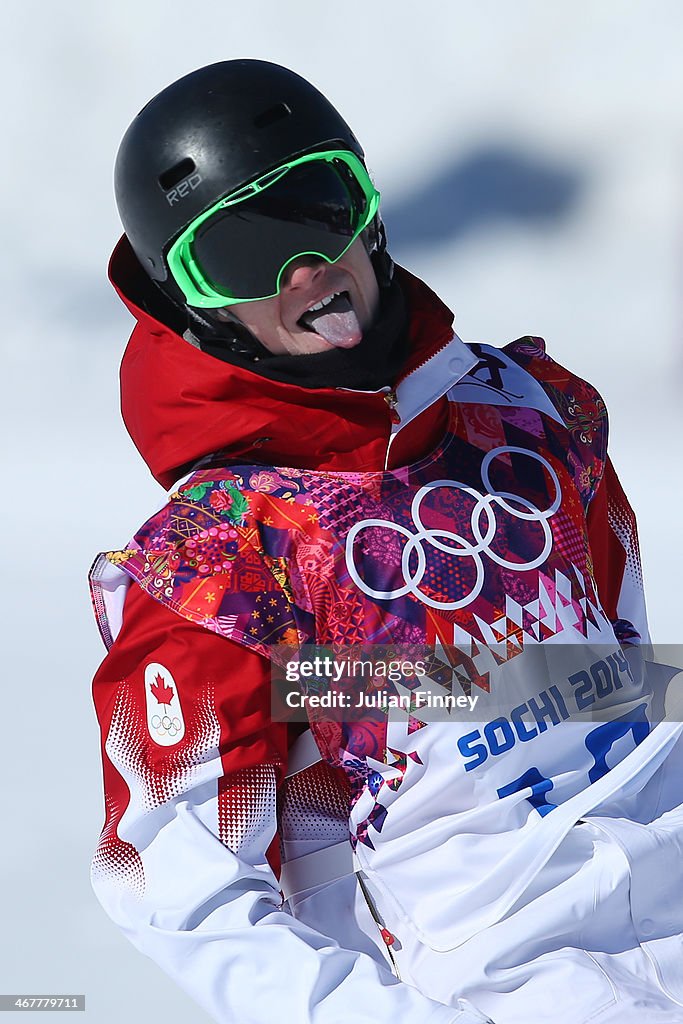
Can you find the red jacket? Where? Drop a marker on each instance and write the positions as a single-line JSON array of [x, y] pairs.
[[181, 405]]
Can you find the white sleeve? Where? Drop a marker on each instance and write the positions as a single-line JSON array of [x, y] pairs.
[[212, 918]]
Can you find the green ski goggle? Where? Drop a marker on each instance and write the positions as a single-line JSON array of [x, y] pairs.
[[239, 249]]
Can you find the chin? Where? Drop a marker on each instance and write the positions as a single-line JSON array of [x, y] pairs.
[[309, 344]]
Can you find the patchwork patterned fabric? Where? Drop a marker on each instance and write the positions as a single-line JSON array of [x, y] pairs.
[[481, 542]]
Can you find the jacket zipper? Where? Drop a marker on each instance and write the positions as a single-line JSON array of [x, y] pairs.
[[387, 938], [390, 393], [392, 401]]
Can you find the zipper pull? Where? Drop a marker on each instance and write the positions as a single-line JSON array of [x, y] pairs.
[[391, 400]]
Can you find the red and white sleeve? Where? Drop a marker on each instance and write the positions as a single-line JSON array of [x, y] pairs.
[[187, 863], [615, 550]]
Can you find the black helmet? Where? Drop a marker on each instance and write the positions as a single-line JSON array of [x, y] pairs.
[[204, 136]]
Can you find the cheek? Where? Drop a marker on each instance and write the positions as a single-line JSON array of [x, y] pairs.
[[258, 315], [276, 338], [264, 323]]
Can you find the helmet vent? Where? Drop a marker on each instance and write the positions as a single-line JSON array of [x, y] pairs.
[[168, 179], [271, 115]]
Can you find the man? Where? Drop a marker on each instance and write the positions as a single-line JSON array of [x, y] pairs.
[[361, 476]]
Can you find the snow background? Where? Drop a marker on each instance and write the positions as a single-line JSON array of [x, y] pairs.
[[531, 159]]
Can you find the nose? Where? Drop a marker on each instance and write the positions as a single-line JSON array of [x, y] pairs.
[[303, 272]]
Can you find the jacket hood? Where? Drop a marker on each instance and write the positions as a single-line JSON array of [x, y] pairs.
[[180, 404]]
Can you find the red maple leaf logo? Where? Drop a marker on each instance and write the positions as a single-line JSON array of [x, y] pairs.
[[163, 693]]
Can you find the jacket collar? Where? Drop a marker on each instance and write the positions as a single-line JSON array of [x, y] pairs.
[[180, 404]]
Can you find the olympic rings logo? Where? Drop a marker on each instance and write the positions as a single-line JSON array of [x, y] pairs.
[[484, 505], [165, 726]]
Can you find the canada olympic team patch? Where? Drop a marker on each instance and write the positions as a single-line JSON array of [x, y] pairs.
[[165, 720]]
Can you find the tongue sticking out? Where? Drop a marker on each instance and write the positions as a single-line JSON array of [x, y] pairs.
[[336, 323]]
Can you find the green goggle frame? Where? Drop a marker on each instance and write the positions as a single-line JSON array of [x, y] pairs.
[[184, 256]]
